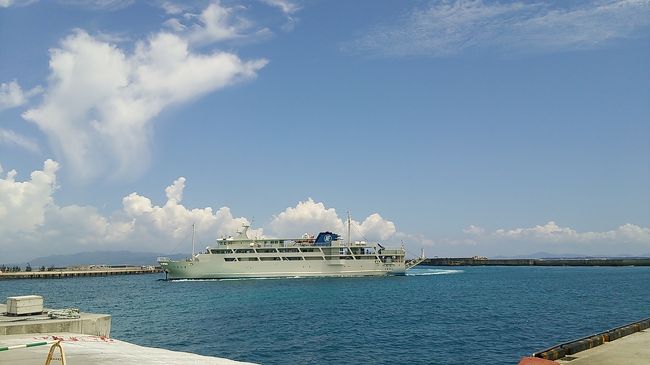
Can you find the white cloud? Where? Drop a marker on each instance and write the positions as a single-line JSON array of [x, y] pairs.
[[101, 101], [91, 4], [8, 137], [553, 233], [23, 204], [173, 221], [9, 3], [175, 25], [452, 26], [12, 95], [311, 217], [216, 23], [286, 6], [100, 4], [474, 230], [31, 221], [289, 9], [30, 218], [172, 8], [551, 237], [175, 191], [306, 217]]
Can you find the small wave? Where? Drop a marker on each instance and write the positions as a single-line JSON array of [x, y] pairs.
[[427, 272]]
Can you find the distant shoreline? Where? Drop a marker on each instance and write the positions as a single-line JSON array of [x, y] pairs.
[[470, 261]]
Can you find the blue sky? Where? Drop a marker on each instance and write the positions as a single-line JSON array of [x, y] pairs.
[[464, 127]]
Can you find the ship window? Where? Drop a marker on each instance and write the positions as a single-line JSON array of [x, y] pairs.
[[288, 250], [247, 259], [309, 249], [244, 250], [266, 250], [229, 259], [270, 258], [314, 258]]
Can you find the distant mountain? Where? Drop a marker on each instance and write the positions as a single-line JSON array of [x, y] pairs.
[[101, 258]]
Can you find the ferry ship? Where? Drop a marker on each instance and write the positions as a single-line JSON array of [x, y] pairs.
[[325, 255]]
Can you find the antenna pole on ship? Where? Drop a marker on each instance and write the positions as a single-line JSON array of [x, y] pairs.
[[193, 224], [349, 224]]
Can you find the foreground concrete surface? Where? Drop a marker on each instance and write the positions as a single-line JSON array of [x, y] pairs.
[[85, 349], [633, 349]]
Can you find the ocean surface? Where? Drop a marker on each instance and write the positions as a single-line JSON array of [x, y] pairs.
[[434, 315]]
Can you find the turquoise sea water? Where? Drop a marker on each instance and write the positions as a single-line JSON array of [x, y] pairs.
[[434, 315]]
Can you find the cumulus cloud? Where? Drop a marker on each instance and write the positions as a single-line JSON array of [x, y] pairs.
[[446, 28], [552, 232], [23, 204], [101, 100], [32, 221], [8, 137], [310, 217], [30, 218], [551, 237], [172, 220], [12, 95]]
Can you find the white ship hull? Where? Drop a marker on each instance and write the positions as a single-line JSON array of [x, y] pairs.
[[212, 269]]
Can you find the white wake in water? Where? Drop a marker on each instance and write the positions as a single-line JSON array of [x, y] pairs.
[[427, 272]]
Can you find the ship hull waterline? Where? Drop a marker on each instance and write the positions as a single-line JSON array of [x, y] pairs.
[[188, 270]]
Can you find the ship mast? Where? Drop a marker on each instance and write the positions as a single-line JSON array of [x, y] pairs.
[[349, 224], [193, 224]]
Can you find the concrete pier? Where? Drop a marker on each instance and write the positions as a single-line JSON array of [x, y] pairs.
[[85, 340], [69, 273], [628, 344], [633, 349], [86, 349], [88, 323]]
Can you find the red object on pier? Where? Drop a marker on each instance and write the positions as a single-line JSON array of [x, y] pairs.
[[536, 361]]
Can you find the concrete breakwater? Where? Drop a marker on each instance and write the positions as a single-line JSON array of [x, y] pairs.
[[470, 261], [69, 273]]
